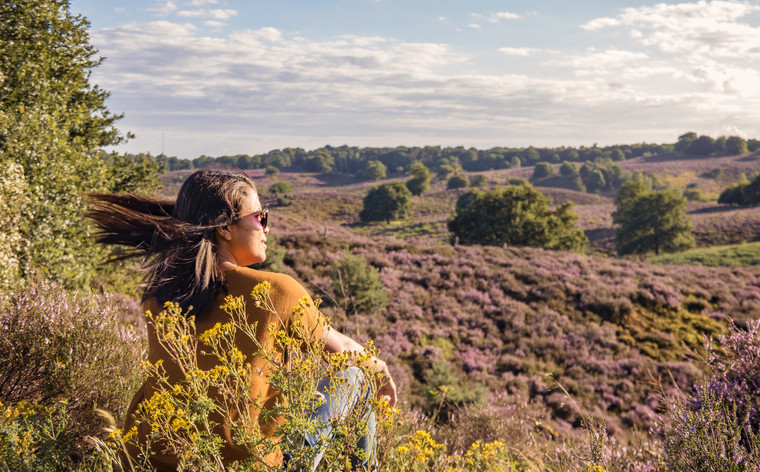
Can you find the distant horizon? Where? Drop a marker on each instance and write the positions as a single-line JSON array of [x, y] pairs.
[[228, 77]]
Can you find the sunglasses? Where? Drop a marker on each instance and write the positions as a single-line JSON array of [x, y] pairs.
[[260, 217]]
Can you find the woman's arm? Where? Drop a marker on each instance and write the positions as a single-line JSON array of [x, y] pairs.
[[339, 342]]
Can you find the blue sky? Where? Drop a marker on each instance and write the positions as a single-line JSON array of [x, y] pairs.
[[222, 77]]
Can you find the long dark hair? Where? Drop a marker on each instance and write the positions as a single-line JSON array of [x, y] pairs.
[[175, 238]]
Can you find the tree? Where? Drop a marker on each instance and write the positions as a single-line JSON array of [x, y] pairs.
[[745, 193], [457, 181], [420, 181], [703, 146], [651, 220], [735, 145], [516, 215], [445, 171], [685, 141], [387, 202], [568, 169], [375, 170], [51, 122], [542, 170]]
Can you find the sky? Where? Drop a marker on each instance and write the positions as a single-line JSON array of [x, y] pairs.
[[226, 77]]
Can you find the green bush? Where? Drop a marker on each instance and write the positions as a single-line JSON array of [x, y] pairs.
[[479, 180], [357, 285], [271, 171], [458, 181], [280, 188], [542, 170]]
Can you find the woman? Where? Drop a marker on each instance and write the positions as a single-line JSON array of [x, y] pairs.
[[196, 251]]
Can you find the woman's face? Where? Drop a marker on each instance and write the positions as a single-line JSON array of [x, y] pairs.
[[248, 242]]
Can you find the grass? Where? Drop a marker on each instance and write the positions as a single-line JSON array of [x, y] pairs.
[[745, 254]]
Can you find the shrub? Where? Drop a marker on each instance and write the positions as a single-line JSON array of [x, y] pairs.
[[743, 193], [57, 345], [542, 170], [717, 427], [33, 438], [457, 181], [271, 171], [280, 188], [357, 285], [479, 180]]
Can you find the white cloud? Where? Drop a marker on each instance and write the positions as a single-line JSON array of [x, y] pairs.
[[214, 24], [200, 3], [474, 26], [525, 51], [695, 29], [599, 23], [504, 15], [255, 90], [164, 8], [217, 14]]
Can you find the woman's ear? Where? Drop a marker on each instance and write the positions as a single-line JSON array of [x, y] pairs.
[[224, 233]]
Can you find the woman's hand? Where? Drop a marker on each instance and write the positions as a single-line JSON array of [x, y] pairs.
[[338, 342], [387, 387]]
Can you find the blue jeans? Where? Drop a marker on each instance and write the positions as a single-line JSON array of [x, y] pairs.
[[347, 397]]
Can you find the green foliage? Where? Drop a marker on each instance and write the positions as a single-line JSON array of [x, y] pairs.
[[321, 162], [703, 145], [568, 169], [271, 171], [735, 145], [51, 121], [387, 202], [651, 220], [747, 254], [375, 170], [420, 179], [515, 181], [457, 181], [132, 174], [603, 174], [445, 171], [542, 170], [479, 180], [281, 188], [357, 285], [517, 215], [693, 193], [33, 438], [743, 193]]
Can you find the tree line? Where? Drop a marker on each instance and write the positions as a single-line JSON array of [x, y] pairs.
[[355, 161]]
